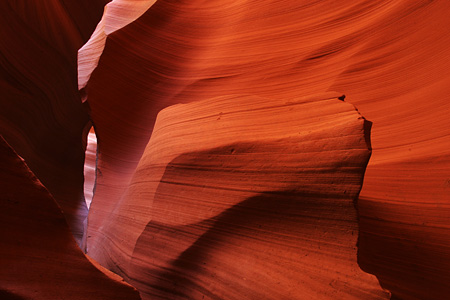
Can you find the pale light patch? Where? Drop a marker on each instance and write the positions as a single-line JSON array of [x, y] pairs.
[[116, 15], [89, 167]]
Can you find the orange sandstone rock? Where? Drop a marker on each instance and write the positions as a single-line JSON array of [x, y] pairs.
[[243, 197], [389, 57]]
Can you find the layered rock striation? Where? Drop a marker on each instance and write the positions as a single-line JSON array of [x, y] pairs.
[[246, 192], [388, 57], [212, 170]]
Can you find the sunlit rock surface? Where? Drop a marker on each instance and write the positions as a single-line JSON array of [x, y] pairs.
[[389, 57], [117, 14], [90, 162], [39, 257]]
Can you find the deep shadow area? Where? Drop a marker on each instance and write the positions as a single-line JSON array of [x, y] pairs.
[[274, 239], [6, 295], [285, 222], [383, 253]]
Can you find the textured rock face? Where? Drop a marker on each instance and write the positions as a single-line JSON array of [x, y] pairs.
[[179, 209], [388, 57], [245, 192], [39, 256]]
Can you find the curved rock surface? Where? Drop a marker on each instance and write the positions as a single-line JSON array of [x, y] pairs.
[[41, 115], [246, 192], [39, 257], [388, 57], [117, 14]]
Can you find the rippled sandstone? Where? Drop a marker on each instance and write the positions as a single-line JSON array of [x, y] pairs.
[[388, 57], [165, 214]]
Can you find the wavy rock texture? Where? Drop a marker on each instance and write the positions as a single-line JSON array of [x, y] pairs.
[[389, 57], [251, 193], [39, 256], [40, 111]]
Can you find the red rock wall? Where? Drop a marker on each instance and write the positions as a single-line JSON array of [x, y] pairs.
[[388, 57], [242, 191], [39, 257], [401, 81], [41, 114], [257, 196]]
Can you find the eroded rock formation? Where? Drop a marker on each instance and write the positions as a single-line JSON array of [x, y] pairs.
[[388, 57], [41, 115], [243, 197], [177, 212], [39, 257]]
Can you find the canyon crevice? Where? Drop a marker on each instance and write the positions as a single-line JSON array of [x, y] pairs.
[[227, 166]]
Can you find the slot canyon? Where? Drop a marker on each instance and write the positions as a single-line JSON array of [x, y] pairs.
[[175, 149]]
